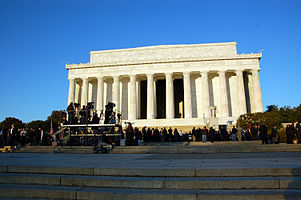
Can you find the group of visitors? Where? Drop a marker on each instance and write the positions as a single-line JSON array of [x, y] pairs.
[[22, 137], [135, 136]]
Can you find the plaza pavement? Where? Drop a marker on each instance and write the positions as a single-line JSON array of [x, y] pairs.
[[153, 161]]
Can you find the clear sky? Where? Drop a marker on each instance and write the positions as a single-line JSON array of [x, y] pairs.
[[38, 37]]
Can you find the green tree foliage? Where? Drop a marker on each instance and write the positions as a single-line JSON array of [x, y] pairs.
[[35, 124], [6, 124], [57, 118], [272, 108], [272, 117]]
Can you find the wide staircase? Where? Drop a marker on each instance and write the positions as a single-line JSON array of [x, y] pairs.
[[32, 182], [173, 147]]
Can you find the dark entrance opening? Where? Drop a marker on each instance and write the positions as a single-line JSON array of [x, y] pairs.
[[179, 97], [247, 91], [161, 98], [143, 100]]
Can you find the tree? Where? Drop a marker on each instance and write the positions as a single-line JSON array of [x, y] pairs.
[[270, 119], [57, 118], [6, 124], [272, 108], [36, 124]]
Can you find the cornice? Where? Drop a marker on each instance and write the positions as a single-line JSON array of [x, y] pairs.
[[167, 61]]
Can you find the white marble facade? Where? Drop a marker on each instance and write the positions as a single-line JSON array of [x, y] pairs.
[[170, 85]]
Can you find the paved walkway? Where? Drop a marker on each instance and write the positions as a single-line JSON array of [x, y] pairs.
[[153, 161]]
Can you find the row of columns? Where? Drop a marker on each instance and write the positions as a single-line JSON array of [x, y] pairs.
[[170, 107]]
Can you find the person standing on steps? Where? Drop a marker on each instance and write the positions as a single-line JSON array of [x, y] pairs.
[[263, 133], [234, 133]]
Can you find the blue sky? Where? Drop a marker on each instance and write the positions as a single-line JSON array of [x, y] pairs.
[[38, 37]]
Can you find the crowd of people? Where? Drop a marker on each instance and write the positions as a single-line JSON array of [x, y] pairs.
[[135, 136], [23, 137]]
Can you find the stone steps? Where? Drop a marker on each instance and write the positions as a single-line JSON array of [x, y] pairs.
[[155, 172], [174, 148], [117, 183], [63, 192], [168, 183]]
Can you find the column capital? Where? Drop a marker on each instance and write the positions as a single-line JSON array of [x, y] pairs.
[[116, 77], [132, 76], [85, 78], [149, 75], [254, 71], [222, 72], [186, 74], [71, 79], [238, 72], [99, 77]]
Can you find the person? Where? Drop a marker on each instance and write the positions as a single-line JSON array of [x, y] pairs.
[[70, 111], [23, 137], [298, 132], [211, 134], [193, 132], [204, 134], [144, 135], [181, 136], [41, 137], [11, 136], [274, 135], [170, 136], [263, 133], [243, 134], [234, 133], [254, 131], [129, 134], [83, 113], [165, 135], [34, 137], [176, 135], [95, 118], [290, 134], [139, 137]]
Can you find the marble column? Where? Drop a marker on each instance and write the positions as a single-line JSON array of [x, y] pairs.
[[223, 106], [150, 96], [256, 92], [100, 92], [133, 98], [71, 91], [85, 91], [205, 95], [170, 106], [90, 92], [77, 93], [241, 95], [187, 96], [116, 93]]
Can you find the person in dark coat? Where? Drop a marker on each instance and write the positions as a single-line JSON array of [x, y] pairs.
[[139, 138], [290, 134], [170, 136], [274, 135], [234, 133], [165, 135], [129, 134], [211, 134], [263, 133]]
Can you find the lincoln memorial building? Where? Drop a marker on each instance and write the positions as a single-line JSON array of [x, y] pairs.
[[170, 85]]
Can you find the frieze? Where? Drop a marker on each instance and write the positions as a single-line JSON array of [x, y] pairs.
[[162, 53]]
